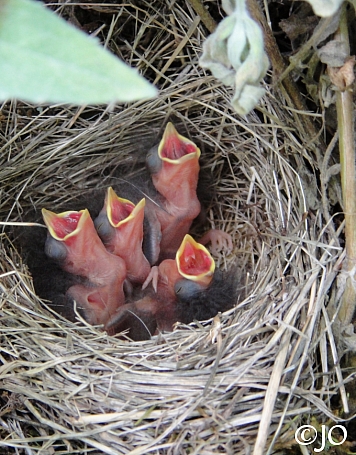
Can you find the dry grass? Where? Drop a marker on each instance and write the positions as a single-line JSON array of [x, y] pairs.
[[219, 386]]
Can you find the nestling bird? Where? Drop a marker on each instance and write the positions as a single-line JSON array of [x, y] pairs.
[[190, 273], [73, 242], [120, 227], [174, 167]]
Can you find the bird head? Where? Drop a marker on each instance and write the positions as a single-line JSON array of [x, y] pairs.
[[194, 262], [175, 160], [120, 222], [63, 237]]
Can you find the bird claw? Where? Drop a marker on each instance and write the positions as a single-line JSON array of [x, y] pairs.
[[152, 277], [219, 240]]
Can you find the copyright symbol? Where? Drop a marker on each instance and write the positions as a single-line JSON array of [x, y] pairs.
[[305, 435]]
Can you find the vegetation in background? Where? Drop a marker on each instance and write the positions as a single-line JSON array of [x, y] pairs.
[[44, 59]]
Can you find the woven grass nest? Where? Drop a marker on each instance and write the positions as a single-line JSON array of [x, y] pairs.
[[225, 385]]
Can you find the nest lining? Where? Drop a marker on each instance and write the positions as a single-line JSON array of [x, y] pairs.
[[69, 388]]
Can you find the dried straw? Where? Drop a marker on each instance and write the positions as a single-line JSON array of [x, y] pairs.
[[228, 385]]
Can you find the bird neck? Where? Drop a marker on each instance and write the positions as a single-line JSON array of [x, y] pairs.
[[178, 183]]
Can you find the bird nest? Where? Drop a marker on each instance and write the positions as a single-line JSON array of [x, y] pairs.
[[226, 385]]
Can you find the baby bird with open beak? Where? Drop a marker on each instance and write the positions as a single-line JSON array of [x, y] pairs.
[[72, 241], [120, 227], [190, 273], [174, 168]]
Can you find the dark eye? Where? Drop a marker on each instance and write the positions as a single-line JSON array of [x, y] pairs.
[[178, 289], [104, 228], [153, 161], [186, 289], [55, 249]]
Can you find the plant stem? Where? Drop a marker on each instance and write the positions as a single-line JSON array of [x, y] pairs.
[[204, 15], [345, 119]]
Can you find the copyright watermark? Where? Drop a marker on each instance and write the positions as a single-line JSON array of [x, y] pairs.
[[307, 434]]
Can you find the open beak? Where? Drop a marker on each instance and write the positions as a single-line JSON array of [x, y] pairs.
[[120, 225], [176, 149], [119, 218], [65, 225], [174, 167], [86, 255], [194, 261], [120, 210]]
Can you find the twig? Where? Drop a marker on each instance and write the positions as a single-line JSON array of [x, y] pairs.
[[343, 78], [204, 15]]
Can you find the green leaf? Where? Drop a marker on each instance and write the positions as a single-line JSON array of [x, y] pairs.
[[325, 8], [234, 53], [45, 59]]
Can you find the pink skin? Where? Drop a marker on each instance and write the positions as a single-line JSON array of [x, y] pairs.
[[181, 202], [218, 240], [86, 256], [126, 238], [193, 262], [159, 310], [177, 182]]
